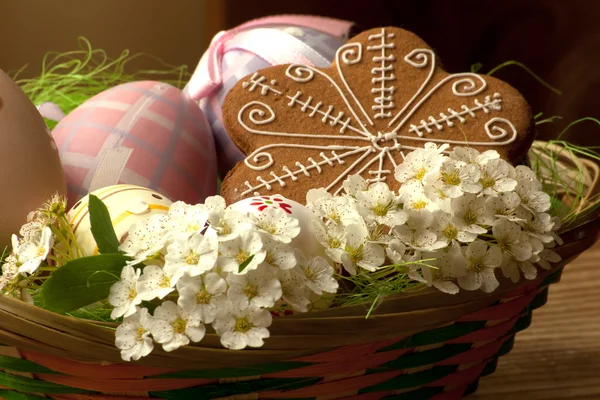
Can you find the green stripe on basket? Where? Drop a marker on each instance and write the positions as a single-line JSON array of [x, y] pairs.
[[411, 380], [540, 300], [522, 323], [12, 395], [438, 335], [20, 365], [507, 346], [426, 357], [235, 388], [24, 384], [552, 278], [259, 369]]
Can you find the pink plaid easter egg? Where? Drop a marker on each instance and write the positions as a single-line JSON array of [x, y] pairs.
[[146, 133], [252, 46]]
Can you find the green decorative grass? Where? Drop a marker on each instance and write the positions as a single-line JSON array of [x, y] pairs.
[[70, 78]]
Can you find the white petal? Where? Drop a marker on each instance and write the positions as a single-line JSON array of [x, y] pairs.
[[489, 280], [471, 281], [446, 287], [195, 333]]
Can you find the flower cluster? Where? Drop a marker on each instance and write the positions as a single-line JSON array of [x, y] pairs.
[[37, 249], [455, 220], [211, 264]]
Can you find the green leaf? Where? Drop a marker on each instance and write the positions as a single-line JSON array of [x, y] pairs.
[[102, 227], [245, 263], [81, 282]]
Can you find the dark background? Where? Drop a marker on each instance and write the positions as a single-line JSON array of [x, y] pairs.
[[558, 39]]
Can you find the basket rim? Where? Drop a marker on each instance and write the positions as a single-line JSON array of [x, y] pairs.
[[32, 328]]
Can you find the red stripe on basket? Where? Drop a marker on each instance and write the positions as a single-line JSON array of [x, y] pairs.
[[85, 370], [124, 385], [463, 377], [487, 333], [501, 311], [357, 363], [330, 388], [525, 289], [348, 352], [454, 394], [475, 355]]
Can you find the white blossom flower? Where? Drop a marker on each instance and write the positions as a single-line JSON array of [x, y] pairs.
[[456, 178], [173, 327], [496, 177], [242, 327], [396, 251], [511, 268], [511, 239], [204, 295], [279, 255], [293, 290], [332, 238], [155, 283], [548, 256], [227, 222], [358, 251], [30, 255], [354, 184], [276, 224], [504, 205], [419, 164], [524, 172], [531, 195], [416, 233], [123, 294], [481, 265], [413, 197], [446, 230], [339, 209], [146, 238], [133, 336], [257, 288], [186, 219], [538, 225], [10, 269], [379, 204], [448, 264], [195, 254], [436, 195], [470, 155], [317, 274], [470, 214], [32, 230], [237, 251]]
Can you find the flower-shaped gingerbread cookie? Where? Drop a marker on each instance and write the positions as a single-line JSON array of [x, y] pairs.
[[384, 96]]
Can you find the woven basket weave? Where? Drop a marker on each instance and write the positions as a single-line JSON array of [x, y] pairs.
[[418, 345]]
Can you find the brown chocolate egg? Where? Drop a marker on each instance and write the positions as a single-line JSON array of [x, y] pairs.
[[30, 168]]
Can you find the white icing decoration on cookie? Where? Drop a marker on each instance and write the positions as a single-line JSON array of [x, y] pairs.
[[383, 74], [492, 125], [356, 145]]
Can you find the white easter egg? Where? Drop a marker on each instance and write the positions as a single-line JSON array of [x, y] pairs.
[[306, 240], [127, 204]]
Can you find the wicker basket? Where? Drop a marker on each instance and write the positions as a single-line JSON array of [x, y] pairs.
[[417, 345]]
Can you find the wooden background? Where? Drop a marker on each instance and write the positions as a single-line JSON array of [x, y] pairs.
[[559, 356]]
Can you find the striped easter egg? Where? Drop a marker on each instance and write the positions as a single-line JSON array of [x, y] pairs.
[[144, 133], [315, 38], [127, 204]]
